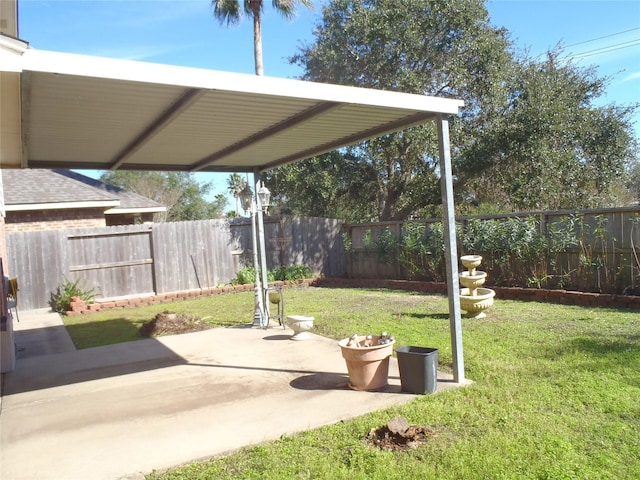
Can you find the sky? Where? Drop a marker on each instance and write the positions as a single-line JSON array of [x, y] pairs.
[[604, 34]]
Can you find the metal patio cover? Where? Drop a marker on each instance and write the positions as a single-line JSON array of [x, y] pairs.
[[84, 112], [60, 110]]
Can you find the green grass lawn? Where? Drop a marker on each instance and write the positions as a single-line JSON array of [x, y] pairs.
[[556, 392]]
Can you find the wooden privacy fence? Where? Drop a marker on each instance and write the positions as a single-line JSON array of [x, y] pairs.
[[112, 262], [136, 260], [604, 257]]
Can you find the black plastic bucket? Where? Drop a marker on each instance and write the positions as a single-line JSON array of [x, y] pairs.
[[418, 369]]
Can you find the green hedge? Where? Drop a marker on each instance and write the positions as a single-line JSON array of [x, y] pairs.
[[567, 253]]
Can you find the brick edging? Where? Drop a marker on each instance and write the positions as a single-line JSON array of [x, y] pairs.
[[78, 306], [566, 297]]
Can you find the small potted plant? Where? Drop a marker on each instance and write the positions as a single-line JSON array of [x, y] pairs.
[[367, 359]]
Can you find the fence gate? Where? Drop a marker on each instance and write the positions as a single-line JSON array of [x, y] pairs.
[[115, 264]]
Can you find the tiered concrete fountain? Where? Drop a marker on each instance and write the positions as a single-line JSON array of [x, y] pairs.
[[474, 299]]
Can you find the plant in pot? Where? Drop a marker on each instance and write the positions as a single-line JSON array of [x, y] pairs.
[[367, 359]]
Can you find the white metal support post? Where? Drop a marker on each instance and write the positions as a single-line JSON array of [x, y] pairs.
[[254, 201], [451, 250], [258, 307], [263, 251]]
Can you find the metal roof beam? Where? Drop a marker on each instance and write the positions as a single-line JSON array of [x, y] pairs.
[[301, 117], [188, 97], [401, 124]]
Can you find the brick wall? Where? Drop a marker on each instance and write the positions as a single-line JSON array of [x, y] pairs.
[[128, 219], [54, 219]]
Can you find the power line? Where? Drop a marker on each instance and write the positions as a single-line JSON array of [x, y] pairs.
[[606, 49], [600, 50], [605, 36]]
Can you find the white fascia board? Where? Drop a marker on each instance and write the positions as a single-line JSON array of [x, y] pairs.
[[188, 77], [61, 205], [11, 51], [115, 211]]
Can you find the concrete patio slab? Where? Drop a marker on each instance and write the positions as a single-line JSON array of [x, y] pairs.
[[115, 411], [40, 332]]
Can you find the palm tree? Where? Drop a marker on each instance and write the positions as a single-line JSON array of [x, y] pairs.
[[235, 184], [229, 12]]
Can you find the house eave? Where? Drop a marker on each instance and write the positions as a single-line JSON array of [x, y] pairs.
[[118, 211], [26, 207]]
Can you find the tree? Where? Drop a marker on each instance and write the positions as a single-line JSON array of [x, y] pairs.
[[183, 196], [549, 147], [528, 137], [229, 12], [217, 206], [235, 185], [333, 185], [633, 182], [422, 47]]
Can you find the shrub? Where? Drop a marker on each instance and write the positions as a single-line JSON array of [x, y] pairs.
[[248, 275], [516, 251], [422, 251], [290, 273], [60, 300]]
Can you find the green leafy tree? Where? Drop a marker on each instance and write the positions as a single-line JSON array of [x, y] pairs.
[[548, 146], [180, 192], [419, 46], [528, 137], [633, 185], [230, 12], [217, 206], [334, 185]]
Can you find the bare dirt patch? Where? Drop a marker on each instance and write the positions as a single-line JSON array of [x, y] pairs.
[[399, 435], [169, 323]]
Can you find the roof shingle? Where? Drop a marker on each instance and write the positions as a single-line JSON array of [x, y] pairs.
[[41, 186]]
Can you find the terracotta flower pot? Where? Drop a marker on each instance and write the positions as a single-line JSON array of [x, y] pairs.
[[368, 367]]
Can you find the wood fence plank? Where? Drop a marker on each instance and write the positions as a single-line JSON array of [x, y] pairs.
[[165, 257]]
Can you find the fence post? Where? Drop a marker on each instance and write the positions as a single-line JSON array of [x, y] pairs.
[[398, 231], [154, 255]]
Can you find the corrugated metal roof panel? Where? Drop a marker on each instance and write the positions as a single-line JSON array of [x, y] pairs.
[[89, 112]]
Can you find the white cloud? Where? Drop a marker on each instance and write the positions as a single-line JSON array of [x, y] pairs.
[[631, 76]]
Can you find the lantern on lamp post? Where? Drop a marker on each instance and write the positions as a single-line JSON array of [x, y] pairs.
[[265, 197]]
